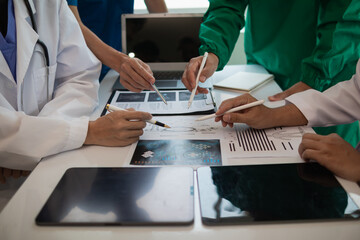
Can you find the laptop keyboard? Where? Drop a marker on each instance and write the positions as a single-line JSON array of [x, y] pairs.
[[161, 75]]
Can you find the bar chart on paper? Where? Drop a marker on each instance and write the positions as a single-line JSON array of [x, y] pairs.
[[243, 141]]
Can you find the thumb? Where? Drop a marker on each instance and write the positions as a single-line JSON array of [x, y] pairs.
[[279, 96], [207, 72]]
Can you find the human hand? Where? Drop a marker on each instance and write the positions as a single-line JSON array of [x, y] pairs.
[[259, 116], [119, 128], [332, 152], [256, 117], [298, 87], [192, 68], [135, 75], [7, 173]]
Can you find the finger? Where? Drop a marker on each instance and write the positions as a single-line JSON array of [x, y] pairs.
[[314, 138], [311, 154], [185, 79], [207, 72], [279, 96], [234, 118], [191, 72], [131, 134], [308, 143], [128, 141], [224, 124], [132, 74], [202, 90], [147, 68], [132, 125], [137, 115], [130, 83], [144, 71], [235, 102]]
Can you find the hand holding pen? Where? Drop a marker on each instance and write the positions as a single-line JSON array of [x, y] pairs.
[[244, 109], [112, 108], [197, 79], [192, 69]]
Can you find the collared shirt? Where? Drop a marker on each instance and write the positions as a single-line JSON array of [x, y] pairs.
[[8, 44]]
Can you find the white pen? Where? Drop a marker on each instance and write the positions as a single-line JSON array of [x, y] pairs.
[[242, 107], [197, 79], [112, 108]]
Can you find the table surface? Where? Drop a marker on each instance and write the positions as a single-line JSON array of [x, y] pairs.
[[17, 218]]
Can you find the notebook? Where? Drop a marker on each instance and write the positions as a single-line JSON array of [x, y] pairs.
[[243, 81], [166, 42]]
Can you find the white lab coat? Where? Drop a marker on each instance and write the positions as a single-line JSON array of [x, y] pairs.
[[339, 104], [30, 126]]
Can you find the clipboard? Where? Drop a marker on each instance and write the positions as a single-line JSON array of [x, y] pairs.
[[177, 99]]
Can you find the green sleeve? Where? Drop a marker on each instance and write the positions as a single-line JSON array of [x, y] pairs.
[[221, 27], [338, 45]]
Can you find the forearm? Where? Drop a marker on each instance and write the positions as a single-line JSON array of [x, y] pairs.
[[221, 27], [26, 139], [288, 115], [105, 53], [156, 6]]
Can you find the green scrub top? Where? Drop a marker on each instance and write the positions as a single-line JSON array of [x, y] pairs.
[[313, 41]]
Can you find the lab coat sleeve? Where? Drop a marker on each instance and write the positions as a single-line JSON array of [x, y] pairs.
[[337, 46], [62, 123], [221, 28], [339, 104]]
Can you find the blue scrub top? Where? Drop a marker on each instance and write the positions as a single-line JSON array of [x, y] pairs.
[[103, 17], [8, 43]]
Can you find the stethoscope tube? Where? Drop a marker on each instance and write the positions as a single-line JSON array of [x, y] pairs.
[[42, 45]]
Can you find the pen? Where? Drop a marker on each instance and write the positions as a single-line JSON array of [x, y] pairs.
[[112, 108], [242, 107], [197, 79], [158, 92]]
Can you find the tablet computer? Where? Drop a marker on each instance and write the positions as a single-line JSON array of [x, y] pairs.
[[272, 194], [121, 196]]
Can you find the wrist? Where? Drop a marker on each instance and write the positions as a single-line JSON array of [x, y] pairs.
[[90, 136], [288, 115], [115, 60]]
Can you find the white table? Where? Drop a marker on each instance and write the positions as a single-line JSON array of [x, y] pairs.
[[17, 219]]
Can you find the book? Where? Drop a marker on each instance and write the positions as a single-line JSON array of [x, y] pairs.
[[243, 81]]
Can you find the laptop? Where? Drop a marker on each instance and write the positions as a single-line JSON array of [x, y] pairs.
[[166, 42]]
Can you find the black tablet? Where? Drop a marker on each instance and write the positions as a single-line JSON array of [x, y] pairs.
[[272, 194], [121, 196]]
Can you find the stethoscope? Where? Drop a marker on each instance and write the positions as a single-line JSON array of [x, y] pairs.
[[42, 45]]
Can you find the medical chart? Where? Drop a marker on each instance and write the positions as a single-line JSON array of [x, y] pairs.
[[177, 102], [177, 152], [241, 141]]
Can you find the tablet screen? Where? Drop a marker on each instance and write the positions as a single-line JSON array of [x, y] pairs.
[[272, 193], [121, 196]]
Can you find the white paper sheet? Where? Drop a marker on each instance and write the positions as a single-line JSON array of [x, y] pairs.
[[149, 101], [238, 142]]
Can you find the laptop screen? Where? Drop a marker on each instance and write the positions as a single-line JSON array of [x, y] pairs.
[[161, 38]]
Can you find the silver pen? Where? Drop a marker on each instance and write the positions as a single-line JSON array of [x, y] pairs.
[[160, 95]]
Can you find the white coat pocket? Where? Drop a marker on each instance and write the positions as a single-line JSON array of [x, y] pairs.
[[44, 84]]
